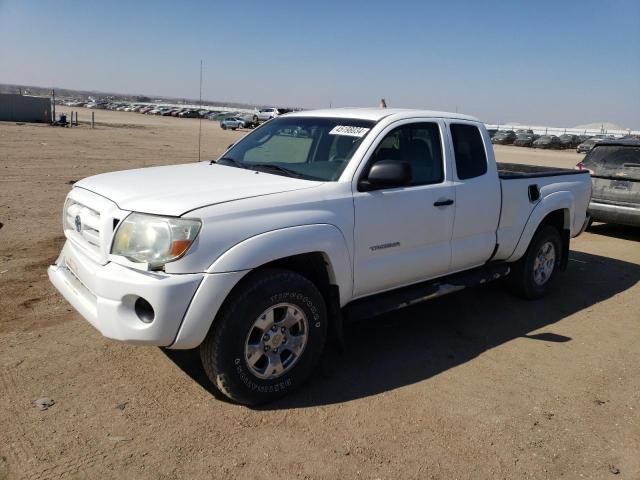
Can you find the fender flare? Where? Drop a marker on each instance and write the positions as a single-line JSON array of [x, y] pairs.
[[556, 201], [269, 246]]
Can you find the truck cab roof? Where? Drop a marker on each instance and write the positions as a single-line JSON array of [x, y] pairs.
[[377, 114]]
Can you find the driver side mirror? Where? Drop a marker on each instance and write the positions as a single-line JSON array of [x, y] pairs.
[[386, 174]]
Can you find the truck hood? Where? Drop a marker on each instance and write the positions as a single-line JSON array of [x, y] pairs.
[[177, 189]]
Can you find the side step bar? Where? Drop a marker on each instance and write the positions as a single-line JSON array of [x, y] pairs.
[[403, 297]]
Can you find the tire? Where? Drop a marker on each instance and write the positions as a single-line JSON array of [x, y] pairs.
[[529, 279], [224, 127], [243, 329]]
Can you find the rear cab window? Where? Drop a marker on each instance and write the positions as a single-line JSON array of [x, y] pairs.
[[469, 151]]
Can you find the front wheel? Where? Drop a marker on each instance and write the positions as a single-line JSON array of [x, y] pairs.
[[532, 276], [267, 338]]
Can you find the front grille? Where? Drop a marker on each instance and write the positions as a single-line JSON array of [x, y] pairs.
[[89, 221], [83, 225]]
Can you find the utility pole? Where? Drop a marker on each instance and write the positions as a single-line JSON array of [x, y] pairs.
[[200, 116], [53, 101]]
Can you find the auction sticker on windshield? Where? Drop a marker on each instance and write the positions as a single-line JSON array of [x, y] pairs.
[[349, 131]]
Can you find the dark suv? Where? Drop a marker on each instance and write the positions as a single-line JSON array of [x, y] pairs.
[[547, 141], [504, 137], [524, 139], [569, 141], [614, 166]]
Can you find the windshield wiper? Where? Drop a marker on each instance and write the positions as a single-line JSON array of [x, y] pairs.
[[276, 168], [229, 162]]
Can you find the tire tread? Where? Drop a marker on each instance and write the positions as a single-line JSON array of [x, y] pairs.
[[211, 345]]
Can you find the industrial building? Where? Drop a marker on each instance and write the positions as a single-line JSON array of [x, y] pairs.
[[24, 108]]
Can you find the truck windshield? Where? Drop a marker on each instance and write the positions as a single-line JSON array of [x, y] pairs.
[[305, 147]]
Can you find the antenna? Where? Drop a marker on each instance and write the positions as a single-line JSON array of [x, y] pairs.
[[200, 116]]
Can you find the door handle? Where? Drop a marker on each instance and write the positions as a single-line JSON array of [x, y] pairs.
[[443, 203]]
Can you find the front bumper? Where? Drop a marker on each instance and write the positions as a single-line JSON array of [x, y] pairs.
[[184, 305], [105, 295], [610, 213]]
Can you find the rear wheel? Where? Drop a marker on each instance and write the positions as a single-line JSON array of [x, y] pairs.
[[267, 338], [532, 276]]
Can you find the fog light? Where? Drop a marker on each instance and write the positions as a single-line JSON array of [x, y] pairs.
[[144, 310]]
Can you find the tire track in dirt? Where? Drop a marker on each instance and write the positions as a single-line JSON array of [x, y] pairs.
[[21, 452], [17, 441], [70, 468]]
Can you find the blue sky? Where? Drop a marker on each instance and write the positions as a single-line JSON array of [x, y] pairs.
[[546, 62]]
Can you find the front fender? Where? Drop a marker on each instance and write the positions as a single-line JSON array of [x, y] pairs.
[[555, 201], [276, 244]]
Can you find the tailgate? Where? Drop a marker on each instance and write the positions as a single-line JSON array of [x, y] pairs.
[[619, 191]]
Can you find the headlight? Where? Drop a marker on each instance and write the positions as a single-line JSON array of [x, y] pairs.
[[154, 240]]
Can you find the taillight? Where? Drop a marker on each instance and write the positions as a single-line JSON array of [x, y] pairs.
[[581, 166]]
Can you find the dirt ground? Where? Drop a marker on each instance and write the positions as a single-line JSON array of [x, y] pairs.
[[474, 385]]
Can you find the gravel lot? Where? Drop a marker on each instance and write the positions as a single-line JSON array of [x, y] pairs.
[[474, 385]]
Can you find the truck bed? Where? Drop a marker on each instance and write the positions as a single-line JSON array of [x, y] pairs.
[[507, 171], [525, 188]]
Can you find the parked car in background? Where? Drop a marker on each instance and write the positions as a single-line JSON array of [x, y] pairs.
[[614, 166], [267, 114], [524, 139], [547, 141], [505, 137], [587, 145], [232, 123], [190, 114], [217, 116], [569, 141], [492, 132], [524, 130], [250, 120]]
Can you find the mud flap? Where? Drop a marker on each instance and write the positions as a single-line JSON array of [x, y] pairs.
[[566, 239], [336, 325]]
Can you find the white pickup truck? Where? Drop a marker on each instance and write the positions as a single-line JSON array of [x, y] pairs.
[[312, 218], [265, 114]]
